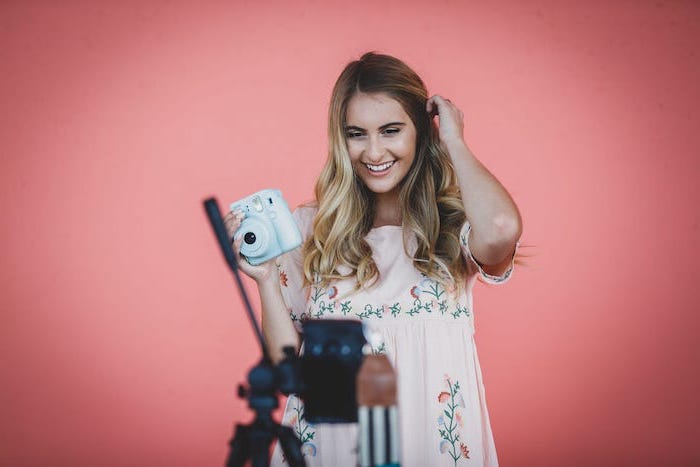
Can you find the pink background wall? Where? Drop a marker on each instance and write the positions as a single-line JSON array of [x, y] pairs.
[[122, 337]]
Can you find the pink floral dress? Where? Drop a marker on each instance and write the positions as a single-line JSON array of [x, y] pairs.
[[428, 335]]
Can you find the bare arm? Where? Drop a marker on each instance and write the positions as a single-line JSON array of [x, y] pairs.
[[495, 220], [277, 326]]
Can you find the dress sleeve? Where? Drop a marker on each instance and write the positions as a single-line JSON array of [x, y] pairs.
[[474, 265], [291, 269]]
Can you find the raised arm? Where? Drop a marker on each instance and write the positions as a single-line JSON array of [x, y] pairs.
[[495, 221], [277, 326]]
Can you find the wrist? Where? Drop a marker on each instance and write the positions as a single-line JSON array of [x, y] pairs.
[[269, 279], [456, 147]]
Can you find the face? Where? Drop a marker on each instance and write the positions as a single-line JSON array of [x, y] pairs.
[[381, 141]]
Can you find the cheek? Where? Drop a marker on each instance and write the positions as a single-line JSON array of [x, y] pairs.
[[406, 147], [354, 150]]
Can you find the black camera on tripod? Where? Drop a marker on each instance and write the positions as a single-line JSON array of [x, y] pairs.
[[324, 375]]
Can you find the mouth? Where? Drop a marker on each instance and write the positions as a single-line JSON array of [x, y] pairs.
[[379, 168]]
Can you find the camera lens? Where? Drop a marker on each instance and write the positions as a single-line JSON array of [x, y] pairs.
[[249, 238]]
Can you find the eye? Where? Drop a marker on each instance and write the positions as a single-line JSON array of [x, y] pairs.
[[353, 134], [391, 131]]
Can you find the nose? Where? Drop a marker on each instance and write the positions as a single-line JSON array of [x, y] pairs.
[[375, 149]]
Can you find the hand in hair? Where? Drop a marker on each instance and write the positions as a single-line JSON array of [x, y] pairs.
[[450, 119], [258, 273]]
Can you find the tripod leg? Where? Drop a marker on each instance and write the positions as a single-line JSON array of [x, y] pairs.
[[260, 440], [240, 447], [291, 446]]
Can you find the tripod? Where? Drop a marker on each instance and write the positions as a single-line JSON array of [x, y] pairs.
[[253, 441]]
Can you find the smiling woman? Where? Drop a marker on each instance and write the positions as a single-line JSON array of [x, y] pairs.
[[403, 210]]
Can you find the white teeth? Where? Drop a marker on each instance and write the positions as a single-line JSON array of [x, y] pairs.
[[381, 167]]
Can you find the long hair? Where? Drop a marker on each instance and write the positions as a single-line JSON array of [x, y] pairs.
[[429, 196]]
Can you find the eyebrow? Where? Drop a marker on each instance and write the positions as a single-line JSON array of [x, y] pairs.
[[386, 125]]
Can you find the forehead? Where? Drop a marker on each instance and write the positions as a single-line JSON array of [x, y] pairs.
[[374, 110]]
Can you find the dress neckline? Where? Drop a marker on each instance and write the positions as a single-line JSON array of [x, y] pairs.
[[386, 227]]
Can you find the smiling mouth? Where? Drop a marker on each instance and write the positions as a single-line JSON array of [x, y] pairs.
[[380, 167]]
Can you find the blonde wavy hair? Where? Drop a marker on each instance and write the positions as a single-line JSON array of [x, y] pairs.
[[429, 196]]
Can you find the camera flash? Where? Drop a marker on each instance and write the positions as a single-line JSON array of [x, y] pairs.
[[257, 204]]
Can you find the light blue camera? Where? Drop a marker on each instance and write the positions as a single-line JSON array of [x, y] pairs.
[[268, 228]]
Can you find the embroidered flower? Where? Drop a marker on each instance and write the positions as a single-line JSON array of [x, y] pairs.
[[450, 422], [308, 449], [303, 430], [283, 278], [332, 292], [415, 291], [460, 400]]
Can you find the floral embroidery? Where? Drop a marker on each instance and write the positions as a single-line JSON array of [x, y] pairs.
[[450, 421], [317, 293], [345, 307], [298, 319], [283, 278], [432, 288], [304, 431], [325, 308], [460, 310], [428, 296], [332, 292], [419, 306], [318, 297], [395, 309], [379, 350], [370, 311]]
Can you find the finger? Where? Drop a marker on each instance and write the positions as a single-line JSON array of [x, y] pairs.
[[233, 220], [232, 225], [237, 241], [243, 263], [440, 104], [435, 103], [438, 99], [451, 107]]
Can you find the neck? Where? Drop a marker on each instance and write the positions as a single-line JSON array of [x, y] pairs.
[[387, 210]]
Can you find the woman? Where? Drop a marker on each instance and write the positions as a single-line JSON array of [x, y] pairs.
[[405, 220]]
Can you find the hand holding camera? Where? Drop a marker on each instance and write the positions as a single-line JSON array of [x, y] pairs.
[[261, 272], [263, 228]]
